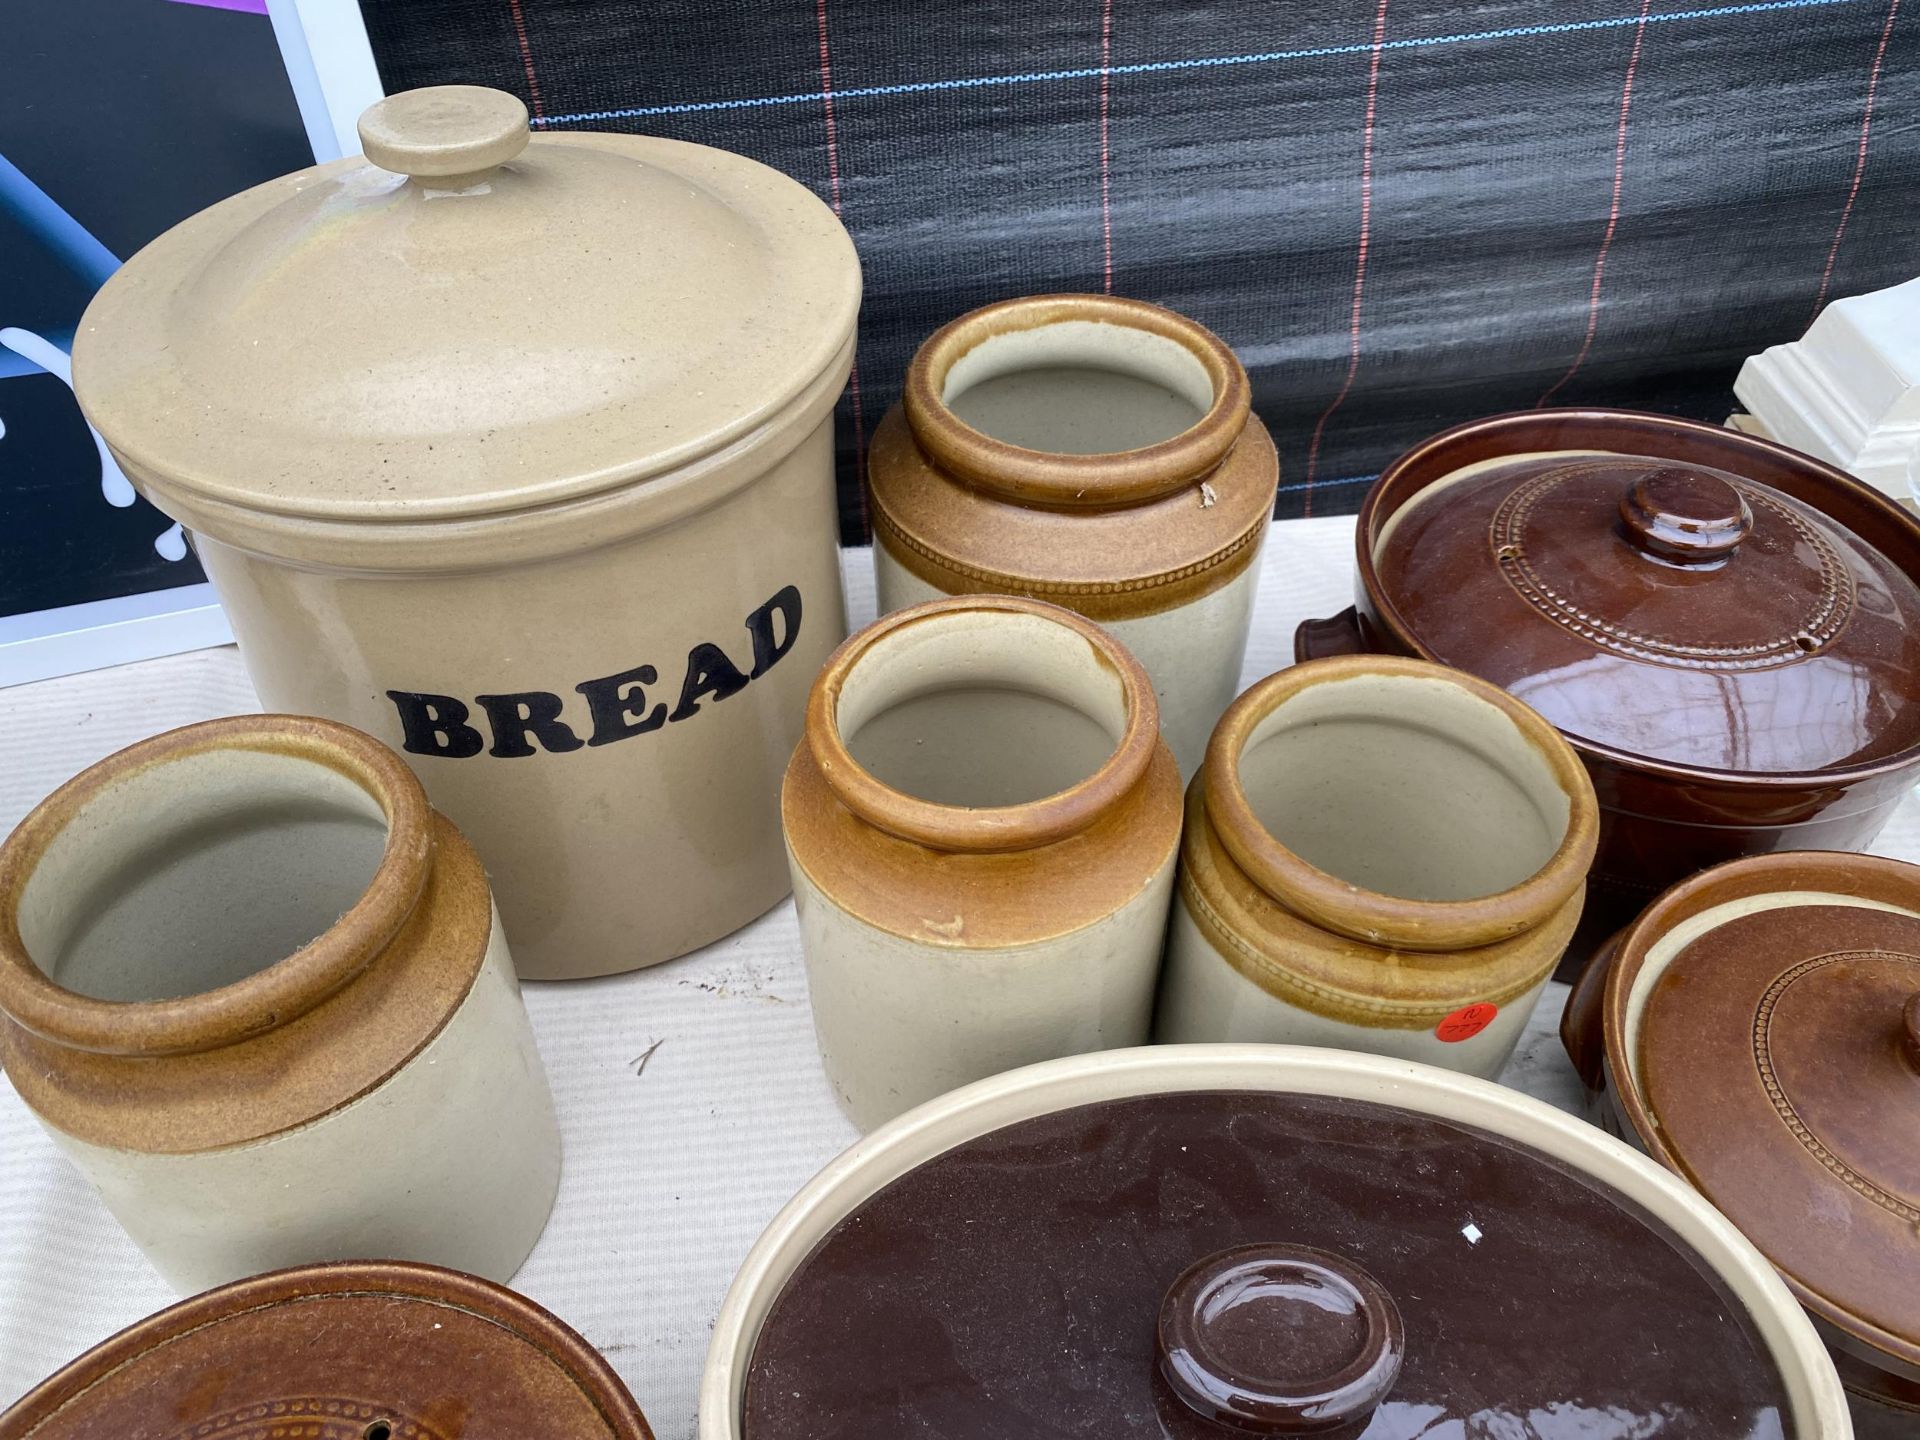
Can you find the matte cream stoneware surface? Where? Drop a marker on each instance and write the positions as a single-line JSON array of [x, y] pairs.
[[518, 455], [257, 991], [982, 822], [1818, 1408], [1094, 452], [1381, 855]]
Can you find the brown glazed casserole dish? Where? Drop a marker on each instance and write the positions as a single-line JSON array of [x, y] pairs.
[[1757, 1031], [1726, 630]]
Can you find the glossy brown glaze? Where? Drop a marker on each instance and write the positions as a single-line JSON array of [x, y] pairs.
[[1016, 1285], [361, 1351], [1755, 1032], [1280, 1340], [1768, 1059], [1727, 630]]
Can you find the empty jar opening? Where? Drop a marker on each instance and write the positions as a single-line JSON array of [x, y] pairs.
[[1079, 387], [197, 872], [1404, 786], [982, 709]]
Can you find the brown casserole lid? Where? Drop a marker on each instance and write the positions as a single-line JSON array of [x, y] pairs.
[[356, 1351], [1214, 1264], [1694, 603], [1762, 1033], [467, 321]]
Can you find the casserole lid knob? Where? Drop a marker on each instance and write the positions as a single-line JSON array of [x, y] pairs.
[[1686, 517], [444, 131], [1280, 1340]]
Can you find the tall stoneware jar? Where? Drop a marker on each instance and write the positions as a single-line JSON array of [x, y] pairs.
[[1096, 452], [255, 988], [982, 821], [1381, 854], [518, 455]]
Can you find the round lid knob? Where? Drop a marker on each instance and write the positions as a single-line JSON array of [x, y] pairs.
[[1280, 1340], [444, 130], [1685, 516]]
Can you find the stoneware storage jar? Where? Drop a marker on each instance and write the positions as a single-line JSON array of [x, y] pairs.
[[1757, 1030], [982, 821], [1727, 631], [1209, 1242], [365, 1351], [1380, 854], [255, 988], [519, 456], [1095, 452]]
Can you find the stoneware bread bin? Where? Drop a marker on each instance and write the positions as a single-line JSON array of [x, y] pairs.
[[517, 454], [1757, 1030], [982, 820], [254, 987], [1096, 452], [1727, 631], [1210, 1242], [362, 1351], [1380, 854]]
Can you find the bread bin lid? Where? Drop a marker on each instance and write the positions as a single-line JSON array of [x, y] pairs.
[[466, 321], [352, 1351], [1215, 1264], [1663, 609], [1770, 1020]]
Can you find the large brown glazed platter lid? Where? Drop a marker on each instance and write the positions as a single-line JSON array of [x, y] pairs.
[[1728, 631], [1761, 1038], [357, 1351], [1210, 1242]]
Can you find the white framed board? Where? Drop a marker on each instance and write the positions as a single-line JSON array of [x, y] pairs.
[[119, 118]]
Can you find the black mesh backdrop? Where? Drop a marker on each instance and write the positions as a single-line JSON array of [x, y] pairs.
[[1401, 214]]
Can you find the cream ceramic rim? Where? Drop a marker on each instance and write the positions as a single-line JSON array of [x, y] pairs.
[[1819, 1410]]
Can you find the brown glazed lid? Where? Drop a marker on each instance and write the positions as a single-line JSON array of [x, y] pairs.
[[354, 1351], [1763, 1032], [1219, 1265], [467, 321], [1650, 602]]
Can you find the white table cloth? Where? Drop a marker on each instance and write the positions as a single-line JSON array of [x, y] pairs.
[[672, 1167]]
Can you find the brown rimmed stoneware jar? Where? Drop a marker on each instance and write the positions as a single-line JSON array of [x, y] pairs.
[[1380, 854], [361, 1351], [255, 988], [1757, 1031], [1096, 452], [516, 454], [982, 821], [1210, 1241], [1726, 630]]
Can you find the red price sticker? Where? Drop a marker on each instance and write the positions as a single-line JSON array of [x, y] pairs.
[[1466, 1022]]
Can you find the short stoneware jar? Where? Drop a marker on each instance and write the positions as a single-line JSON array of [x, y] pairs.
[[516, 452], [254, 987], [982, 821], [1092, 451], [1381, 854]]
